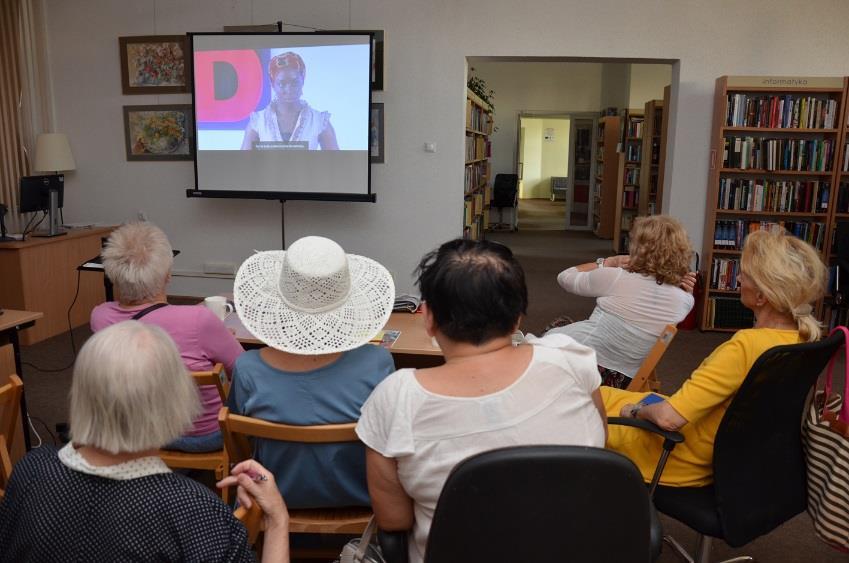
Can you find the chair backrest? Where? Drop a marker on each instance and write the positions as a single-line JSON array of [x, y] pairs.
[[213, 377], [504, 190], [237, 429], [252, 520], [646, 371], [10, 406], [542, 503], [759, 465]]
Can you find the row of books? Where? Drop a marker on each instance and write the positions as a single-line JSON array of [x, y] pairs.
[[478, 119], [730, 234], [473, 209], [633, 151], [782, 112], [781, 196], [631, 197], [477, 148], [635, 128], [476, 175], [843, 198], [846, 158], [815, 155], [723, 274], [727, 312], [632, 176]]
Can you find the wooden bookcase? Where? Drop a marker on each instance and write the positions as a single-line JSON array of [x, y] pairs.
[[606, 185], [628, 189], [477, 187], [752, 184], [840, 209], [654, 141]]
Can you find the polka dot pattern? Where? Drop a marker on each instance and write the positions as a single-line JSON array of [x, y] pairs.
[[54, 513]]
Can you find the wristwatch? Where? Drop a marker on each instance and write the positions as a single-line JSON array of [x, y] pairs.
[[636, 410], [599, 262]]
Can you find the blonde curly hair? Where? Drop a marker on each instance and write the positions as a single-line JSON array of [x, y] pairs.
[[660, 248], [790, 275]]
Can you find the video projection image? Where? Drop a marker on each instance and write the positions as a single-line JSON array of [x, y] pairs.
[[285, 113]]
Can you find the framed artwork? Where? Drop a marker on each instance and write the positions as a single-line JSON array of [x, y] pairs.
[[162, 132], [375, 135], [154, 64]]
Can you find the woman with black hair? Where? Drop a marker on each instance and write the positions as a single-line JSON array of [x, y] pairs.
[[418, 424]]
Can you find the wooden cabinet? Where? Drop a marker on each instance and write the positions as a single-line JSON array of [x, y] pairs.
[[608, 172], [40, 274]]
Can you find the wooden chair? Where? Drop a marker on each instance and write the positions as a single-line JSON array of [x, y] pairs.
[[237, 431], [252, 519], [10, 406], [216, 461], [646, 378]]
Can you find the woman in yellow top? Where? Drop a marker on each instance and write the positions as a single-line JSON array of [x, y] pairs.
[[780, 276]]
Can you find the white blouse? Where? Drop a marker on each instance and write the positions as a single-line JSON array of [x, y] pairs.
[[631, 312], [428, 433]]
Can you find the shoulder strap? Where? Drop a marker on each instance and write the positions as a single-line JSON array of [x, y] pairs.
[[147, 310]]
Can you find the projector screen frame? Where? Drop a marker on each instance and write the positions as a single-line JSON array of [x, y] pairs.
[[281, 196]]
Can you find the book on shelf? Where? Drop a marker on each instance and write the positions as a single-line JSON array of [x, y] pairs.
[[781, 196], [630, 199], [635, 127], [846, 158], [724, 272], [728, 312], [633, 151], [812, 155], [730, 234], [786, 111], [475, 176], [843, 198]]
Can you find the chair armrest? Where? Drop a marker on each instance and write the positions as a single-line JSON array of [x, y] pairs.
[[670, 439], [393, 545]]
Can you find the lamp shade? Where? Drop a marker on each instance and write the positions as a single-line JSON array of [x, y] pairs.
[[53, 153]]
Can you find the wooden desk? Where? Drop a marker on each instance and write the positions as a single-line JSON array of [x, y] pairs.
[[413, 348], [11, 322], [40, 274]]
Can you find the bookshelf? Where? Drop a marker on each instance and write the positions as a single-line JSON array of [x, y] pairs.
[[653, 153], [774, 163], [606, 185], [477, 185], [628, 188]]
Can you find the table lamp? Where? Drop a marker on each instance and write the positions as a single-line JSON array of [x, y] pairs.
[[53, 154]]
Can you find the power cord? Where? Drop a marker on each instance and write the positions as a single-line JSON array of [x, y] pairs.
[[70, 331], [30, 419]]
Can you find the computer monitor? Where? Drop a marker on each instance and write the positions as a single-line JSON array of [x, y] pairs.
[[35, 192]]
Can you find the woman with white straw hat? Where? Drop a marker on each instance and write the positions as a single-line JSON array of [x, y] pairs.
[[316, 308]]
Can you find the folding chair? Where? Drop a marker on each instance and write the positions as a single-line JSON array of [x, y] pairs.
[[646, 377], [216, 461], [237, 431]]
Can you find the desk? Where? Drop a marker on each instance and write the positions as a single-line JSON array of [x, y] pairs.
[[40, 274], [413, 348], [12, 321]]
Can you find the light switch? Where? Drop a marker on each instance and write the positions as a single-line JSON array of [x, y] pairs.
[[430, 147]]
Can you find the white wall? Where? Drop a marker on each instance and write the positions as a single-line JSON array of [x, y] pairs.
[[615, 85], [419, 194], [534, 87], [647, 83]]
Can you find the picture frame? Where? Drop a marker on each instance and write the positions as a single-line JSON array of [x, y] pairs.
[[376, 133], [154, 64], [159, 132]]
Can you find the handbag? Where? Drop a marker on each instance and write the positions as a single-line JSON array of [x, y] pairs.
[[362, 550], [825, 439]]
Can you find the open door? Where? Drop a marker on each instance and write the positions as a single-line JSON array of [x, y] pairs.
[[582, 165]]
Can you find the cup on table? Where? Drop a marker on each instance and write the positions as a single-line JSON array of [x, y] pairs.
[[218, 304]]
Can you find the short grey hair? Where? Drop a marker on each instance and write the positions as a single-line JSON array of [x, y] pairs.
[[131, 391], [138, 258]]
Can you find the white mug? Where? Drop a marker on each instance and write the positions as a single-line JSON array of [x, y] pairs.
[[218, 305]]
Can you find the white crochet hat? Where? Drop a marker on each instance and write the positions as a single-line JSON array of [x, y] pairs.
[[313, 298]]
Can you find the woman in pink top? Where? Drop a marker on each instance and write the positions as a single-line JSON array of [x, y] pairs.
[[138, 259]]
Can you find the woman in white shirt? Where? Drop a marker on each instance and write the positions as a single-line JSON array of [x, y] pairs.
[[638, 295], [418, 424]]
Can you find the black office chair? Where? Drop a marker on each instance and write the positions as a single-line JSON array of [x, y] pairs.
[[505, 191], [758, 463], [540, 503]]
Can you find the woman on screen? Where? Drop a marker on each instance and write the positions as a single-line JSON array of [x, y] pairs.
[[288, 119]]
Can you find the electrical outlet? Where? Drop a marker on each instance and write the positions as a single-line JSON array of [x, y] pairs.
[[227, 268]]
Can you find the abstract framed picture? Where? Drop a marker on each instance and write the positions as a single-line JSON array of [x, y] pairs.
[[160, 132], [154, 64], [375, 135]]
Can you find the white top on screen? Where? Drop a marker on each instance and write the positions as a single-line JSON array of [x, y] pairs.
[[285, 113]]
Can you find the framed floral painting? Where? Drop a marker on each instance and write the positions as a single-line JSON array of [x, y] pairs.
[[161, 132], [154, 64]]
